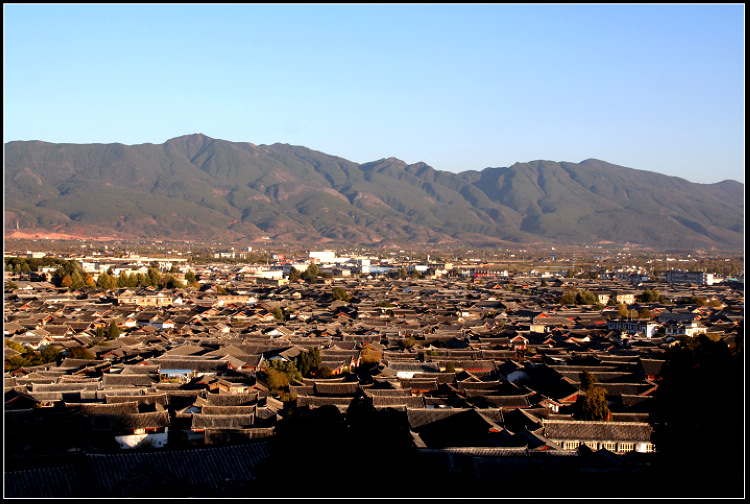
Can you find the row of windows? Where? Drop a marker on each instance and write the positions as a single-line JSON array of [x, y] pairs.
[[607, 445]]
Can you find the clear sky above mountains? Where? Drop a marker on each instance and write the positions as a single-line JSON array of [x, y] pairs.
[[460, 87]]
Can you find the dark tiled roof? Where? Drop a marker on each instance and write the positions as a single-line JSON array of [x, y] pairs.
[[147, 398], [232, 399], [129, 380], [392, 401], [336, 388], [129, 420], [223, 421], [652, 367], [228, 410], [52, 482], [210, 472], [604, 431], [315, 401]]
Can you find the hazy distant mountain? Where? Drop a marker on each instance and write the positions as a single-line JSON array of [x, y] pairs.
[[196, 187]]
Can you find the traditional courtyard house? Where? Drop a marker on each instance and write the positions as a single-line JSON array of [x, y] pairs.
[[624, 297], [454, 427], [130, 425], [602, 296], [477, 367], [519, 342], [550, 383], [634, 326], [198, 365], [11, 328], [224, 417], [175, 375], [33, 339], [59, 331], [406, 369], [162, 321], [618, 437], [686, 328], [651, 368]]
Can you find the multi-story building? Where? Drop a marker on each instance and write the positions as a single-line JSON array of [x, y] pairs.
[[696, 277], [633, 326]]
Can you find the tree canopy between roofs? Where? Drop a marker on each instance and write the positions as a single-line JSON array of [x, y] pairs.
[[696, 408]]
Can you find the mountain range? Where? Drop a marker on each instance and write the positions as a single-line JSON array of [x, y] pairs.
[[195, 187]]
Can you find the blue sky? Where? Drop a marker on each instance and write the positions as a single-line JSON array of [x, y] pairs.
[[459, 87]]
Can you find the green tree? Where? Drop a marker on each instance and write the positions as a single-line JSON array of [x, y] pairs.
[[80, 353], [309, 361], [587, 380], [88, 282], [648, 296], [450, 367], [114, 331], [77, 280], [280, 373], [14, 362], [312, 272], [277, 379], [104, 281], [67, 281], [173, 283], [16, 346], [402, 273], [100, 332], [644, 313], [568, 297], [154, 277], [323, 372], [49, 353], [407, 342], [622, 310], [339, 294], [190, 277], [294, 275], [697, 300], [123, 279], [370, 355], [594, 405], [586, 297]]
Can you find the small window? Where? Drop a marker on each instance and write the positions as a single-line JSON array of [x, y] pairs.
[[648, 448], [609, 446], [591, 444], [571, 445], [626, 447]]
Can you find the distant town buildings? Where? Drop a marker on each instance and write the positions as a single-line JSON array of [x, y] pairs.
[[696, 277], [478, 362]]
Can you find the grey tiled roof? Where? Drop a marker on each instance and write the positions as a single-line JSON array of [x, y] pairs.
[[604, 431], [222, 421], [51, 482], [336, 388], [232, 399]]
